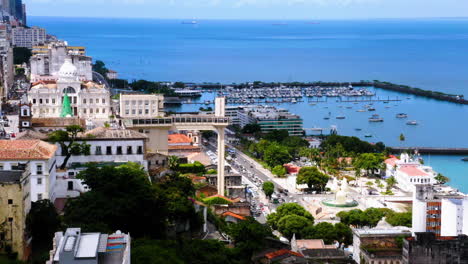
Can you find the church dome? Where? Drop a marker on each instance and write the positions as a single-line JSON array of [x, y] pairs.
[[68, 70]]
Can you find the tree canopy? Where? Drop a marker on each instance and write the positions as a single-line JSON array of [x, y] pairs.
[[248, 235], [441, 179], [67, 141], [313, 178], [276, 154], [351, 144], [285, 210], [21, 55], [370, 217], [370, 162], [279, 170], [268, 188]]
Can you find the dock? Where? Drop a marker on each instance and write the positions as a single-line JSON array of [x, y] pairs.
[[429, 150]]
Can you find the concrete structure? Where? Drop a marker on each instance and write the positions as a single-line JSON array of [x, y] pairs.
[[74, 247], [270, 118], [427, 248], [378, 245], [46, 66], [88, 99], [13, 211], [442, 214], [409, 172], [7, 71], [141, 105], [28, 37], [315, 250], [157, 129], [37, 158], [111, 75], [72, 50]]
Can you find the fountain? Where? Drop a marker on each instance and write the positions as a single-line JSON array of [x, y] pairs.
[[341, 199]]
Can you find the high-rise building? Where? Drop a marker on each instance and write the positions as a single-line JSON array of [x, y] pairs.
[[28, 37], [19, 10]]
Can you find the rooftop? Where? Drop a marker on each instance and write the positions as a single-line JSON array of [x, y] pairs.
[[57, 121], [391, 161], [313, 244], [282, 252], [10, 176], [412, 171], [228, 213], [110, 133], [179, 139], [26, 150], [31, 134]]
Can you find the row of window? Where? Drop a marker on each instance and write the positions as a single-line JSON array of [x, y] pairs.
[[140, 111], [118, 150], [418, 180], [91, 101], [140, 102]]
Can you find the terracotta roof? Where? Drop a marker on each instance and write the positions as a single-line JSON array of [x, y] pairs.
[[240, 217], [187, 147], [391, 161], [57, 121], [282, 252], [178, 139], [109, 133], [290, 168], [31, 134], [26, 150], [412, 171]]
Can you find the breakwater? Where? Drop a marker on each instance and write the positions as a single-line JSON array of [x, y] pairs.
[[428, 150]]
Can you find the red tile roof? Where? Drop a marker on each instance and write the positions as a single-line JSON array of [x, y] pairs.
[[292, 168], [282, 252], [26, 150], [178, 138], [240, 217], [412, 171], [391, 161]]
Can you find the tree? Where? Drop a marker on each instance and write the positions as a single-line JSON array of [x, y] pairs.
[[21, 55], [268, 188], [277, 135], [293, 224], [146, 251], [279, 171], [179, 85], [344, 235], [312, 177], [100, 67], [399, 219], [248, 235], [136, 206], [276, 155], [285, 210], [173, 162], [370, 162], [441, 179], [369, 184], [370, 217], [251, 129], [67, 141], [312, 154], [402, 137], [391, 181], [42, 222], [323, 230], [294, 144]]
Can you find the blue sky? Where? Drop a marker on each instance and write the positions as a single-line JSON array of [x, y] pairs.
[[250, 9]]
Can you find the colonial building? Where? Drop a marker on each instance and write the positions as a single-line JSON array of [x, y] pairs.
[[409, 172], [141, 105], [69, 96]]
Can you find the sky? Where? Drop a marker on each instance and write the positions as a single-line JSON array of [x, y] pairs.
[[250, 9]]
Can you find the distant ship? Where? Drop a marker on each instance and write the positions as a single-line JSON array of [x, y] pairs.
[[193, 22], [280, 24]]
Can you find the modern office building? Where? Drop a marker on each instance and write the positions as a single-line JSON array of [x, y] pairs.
[[271, 118], [28, 37], [440, 213]]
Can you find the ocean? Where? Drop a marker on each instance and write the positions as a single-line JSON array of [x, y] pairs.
[[429, 54]]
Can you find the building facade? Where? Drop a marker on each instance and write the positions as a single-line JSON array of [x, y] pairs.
[[28, 37], [141, 105], [86, 99], [409, 172]]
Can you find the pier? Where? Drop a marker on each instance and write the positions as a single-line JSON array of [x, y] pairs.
[[429, 150]]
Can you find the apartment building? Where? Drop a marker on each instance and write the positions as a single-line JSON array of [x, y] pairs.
[[271, 118], [141, 105], [28, 37]]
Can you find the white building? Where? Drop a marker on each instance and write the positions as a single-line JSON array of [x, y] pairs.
[[141, 105], [87, 99], [37, 158], [7, 71], [108, 146], [46, 65], [28, 37], [408, 172], [441, 213], [75, 247]]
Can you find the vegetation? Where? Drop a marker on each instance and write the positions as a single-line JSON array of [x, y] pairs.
[[21, 55], [100, 67], [399, 219], [370, 162], [268, 188], [249, 236], [67, 141], [313, 178], [276, 154], [173, 162], [371, 216], [287, 209], [330, 233], [279, 171], [251, 129], [152, 87], [391, 181], [351, 145], [195, 167], [215, 200], [441, 179]]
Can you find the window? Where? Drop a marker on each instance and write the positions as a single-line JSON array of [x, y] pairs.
[[97, 110], [91, 111], [140, 111], [127, 112], [40, 101], [109, 150], [10, 219], [39, 169], [1, 166], [146, 111], [10, 201], [129, 150], [91, 101], [103, 110], [103, 100], [53, 100], [98, 150], [25, 112], [39, 180], [47, 101], [34, 101], [133, 111], [84, 101], [39, 196], [119, 150], [140, 150], [71, 173], [70, 185], [84, 110]]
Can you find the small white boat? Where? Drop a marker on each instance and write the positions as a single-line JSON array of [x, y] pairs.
[[340, 117], [401, 115], [361, 110], [412, 123]]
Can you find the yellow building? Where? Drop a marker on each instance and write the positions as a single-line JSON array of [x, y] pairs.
[[12, 213]]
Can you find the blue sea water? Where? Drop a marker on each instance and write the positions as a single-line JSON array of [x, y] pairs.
[[430, 54]]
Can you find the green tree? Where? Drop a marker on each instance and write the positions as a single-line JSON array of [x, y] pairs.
[[100, 67], [285, 210], [370, 162], [312, 154], [344, 235], [399, 219], [277, 135], [251, 129], [279, 171], [173, 162], [67, 141], [369, 184], [179, 85], [146, 251], [293, 224], [248, 235], [294, 144], [268, 188], [313, 178], [441, 179], [323, 230], [391, 181], [276, 154], [136, 206], [21, 55], [402, 137]]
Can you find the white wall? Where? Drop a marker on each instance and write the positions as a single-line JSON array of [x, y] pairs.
[[451, 220]]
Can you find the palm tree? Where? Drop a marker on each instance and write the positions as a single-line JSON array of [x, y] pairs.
[[391, 182], [173, 162]]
